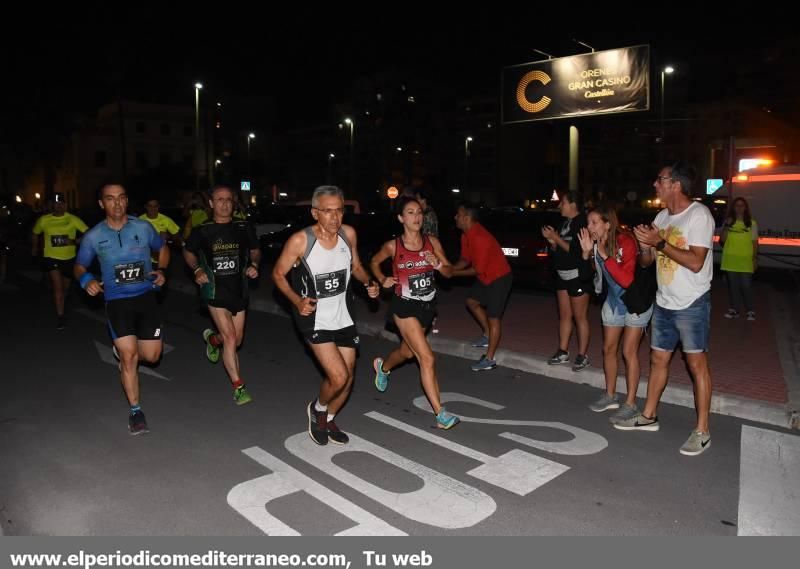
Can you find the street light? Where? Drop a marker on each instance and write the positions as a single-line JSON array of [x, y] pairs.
[[667, 70], [197, 87], [331, 156], [466, 158], [250, 137], [349, 122]]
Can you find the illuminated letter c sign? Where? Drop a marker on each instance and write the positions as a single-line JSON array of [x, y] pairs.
[[526, 80]]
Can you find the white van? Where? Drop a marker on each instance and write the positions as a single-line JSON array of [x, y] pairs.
[[774, 197]]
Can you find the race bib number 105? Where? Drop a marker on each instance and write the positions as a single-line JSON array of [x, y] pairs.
[[422, 284]]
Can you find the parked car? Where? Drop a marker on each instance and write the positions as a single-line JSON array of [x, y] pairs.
[[275, 223], [519, 232]]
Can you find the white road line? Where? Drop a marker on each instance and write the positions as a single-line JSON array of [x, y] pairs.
[[252, 498], [449, 445], [107, 356], [516, 471], [583, 442], [442, 501], [769, 483]]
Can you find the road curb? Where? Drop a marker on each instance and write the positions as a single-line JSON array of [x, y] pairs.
[[722, 404], [787, 339]]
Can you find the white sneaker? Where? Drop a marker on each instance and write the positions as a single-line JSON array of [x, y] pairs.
[[732, 313], [751, 316]]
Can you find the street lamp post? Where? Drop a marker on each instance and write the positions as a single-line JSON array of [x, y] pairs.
[[667, 70], [250, 137], [466, 160], [197, 87], [331, 156], [349, 122]]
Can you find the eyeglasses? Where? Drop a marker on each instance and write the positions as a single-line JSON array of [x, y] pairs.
[[659, 179], [336, 211]]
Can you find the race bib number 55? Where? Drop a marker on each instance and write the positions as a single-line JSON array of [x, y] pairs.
[[331, 284]]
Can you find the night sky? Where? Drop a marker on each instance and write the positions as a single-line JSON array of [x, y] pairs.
[[74, 62]]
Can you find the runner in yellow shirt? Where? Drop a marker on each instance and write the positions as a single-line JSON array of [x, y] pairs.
[[197, 214], [164, 224], [60, 231]]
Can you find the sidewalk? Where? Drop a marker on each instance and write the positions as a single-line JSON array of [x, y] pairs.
[[747, 363]]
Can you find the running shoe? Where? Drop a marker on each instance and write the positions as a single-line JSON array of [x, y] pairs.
[[445, 420], [137, 424], [605, 403], [241, 396], [381, 377], [212, 352], [317, 424]]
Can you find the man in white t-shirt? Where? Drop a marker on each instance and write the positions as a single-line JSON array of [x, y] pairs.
[[680, 242]]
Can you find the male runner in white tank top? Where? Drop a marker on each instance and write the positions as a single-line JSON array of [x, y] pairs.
[[322, 259]]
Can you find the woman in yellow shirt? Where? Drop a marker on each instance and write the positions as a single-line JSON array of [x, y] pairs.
[[739, 241]]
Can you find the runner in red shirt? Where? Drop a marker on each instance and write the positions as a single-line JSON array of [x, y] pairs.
[[481, 256]]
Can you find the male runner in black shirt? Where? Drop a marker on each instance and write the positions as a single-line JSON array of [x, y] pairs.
[[223, 253]]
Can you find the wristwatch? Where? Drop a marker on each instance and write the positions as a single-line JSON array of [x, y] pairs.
[[661, 244]]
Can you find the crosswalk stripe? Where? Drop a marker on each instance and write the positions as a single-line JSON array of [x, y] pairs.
[[769, 483]]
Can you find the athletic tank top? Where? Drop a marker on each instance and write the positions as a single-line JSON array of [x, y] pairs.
[[415, 277], [328, 277]]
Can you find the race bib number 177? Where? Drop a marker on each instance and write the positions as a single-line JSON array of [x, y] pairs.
[[129, 273]]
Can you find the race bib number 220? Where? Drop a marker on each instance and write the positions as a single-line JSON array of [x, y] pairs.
[[226, 265]]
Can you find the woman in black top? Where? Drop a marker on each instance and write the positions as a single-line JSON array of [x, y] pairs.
[[573, 280]]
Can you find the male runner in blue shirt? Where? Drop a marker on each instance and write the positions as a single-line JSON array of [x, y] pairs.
[[123, 244]]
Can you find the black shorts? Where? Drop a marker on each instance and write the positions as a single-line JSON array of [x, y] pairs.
[[138, 316], [424, 312], [62, 266], [232, 306], [344, 338], [493, 296], [574, 287]]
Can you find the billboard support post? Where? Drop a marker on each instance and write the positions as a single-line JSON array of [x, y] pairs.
[[573, 157]]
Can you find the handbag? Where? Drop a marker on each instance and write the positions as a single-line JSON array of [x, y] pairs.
[[639, 297]]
